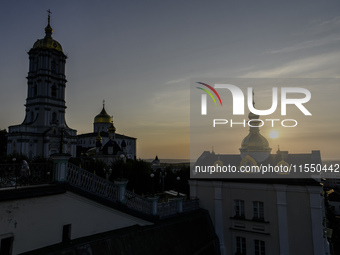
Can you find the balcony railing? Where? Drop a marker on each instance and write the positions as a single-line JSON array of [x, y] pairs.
[[137, 202], [92, 183], [15, 175], [167, 209]]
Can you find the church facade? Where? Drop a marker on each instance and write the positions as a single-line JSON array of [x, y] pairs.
[[44, 130], [104, 143]]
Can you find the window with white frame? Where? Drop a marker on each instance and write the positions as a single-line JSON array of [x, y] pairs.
[[239, 208], [240, 247], [259, 247], [258, 213]]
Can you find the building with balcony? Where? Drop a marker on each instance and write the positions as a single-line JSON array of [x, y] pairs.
[[258, 215], [63, 209]]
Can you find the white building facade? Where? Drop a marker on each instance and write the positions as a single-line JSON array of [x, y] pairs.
[[264, 218], [36, 222], [257, 216]]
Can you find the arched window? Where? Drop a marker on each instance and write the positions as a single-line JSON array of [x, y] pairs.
[[54, 91]]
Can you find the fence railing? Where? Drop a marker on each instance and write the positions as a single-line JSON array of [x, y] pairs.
[[190, 205], [137, 202], [92, 183], [167, 209], [15, 175]]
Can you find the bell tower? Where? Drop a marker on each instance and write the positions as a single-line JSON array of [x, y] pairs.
[[46, 80], [44, 128]]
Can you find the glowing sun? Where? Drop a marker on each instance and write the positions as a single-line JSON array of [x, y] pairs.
[[273, 134]]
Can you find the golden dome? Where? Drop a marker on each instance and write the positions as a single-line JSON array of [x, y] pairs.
[[103, 117], [112, 128], [254, 141], [48, 42]]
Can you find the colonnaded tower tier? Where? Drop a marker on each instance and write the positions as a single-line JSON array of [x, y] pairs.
[[44, 130]]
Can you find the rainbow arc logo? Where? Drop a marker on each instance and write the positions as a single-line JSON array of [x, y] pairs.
[[204, 97]]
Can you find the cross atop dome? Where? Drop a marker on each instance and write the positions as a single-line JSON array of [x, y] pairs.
[[48, 28], [255, 144]]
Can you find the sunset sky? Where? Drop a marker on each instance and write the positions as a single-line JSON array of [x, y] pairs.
[[141, 57]]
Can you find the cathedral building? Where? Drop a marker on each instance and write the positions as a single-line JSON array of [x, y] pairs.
[[44, 130], [104, 143]]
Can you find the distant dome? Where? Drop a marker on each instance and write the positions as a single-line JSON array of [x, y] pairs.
[[254, 141], [112, 128], [254, 144], [103, 117]]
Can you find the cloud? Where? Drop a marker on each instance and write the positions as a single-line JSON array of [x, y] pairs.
[[319, 66], [308, 45], [176, 81], [326, 25]]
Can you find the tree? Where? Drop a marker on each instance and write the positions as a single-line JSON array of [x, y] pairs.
[[136, 171]]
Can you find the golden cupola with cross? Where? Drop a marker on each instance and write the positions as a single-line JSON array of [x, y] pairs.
[[48, 42], [103, 121], [254, 144]]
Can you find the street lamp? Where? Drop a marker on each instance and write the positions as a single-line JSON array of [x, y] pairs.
[[153, 187], [122, 156], [163, 175], [108, 173], [178, 179], [16, 179]]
